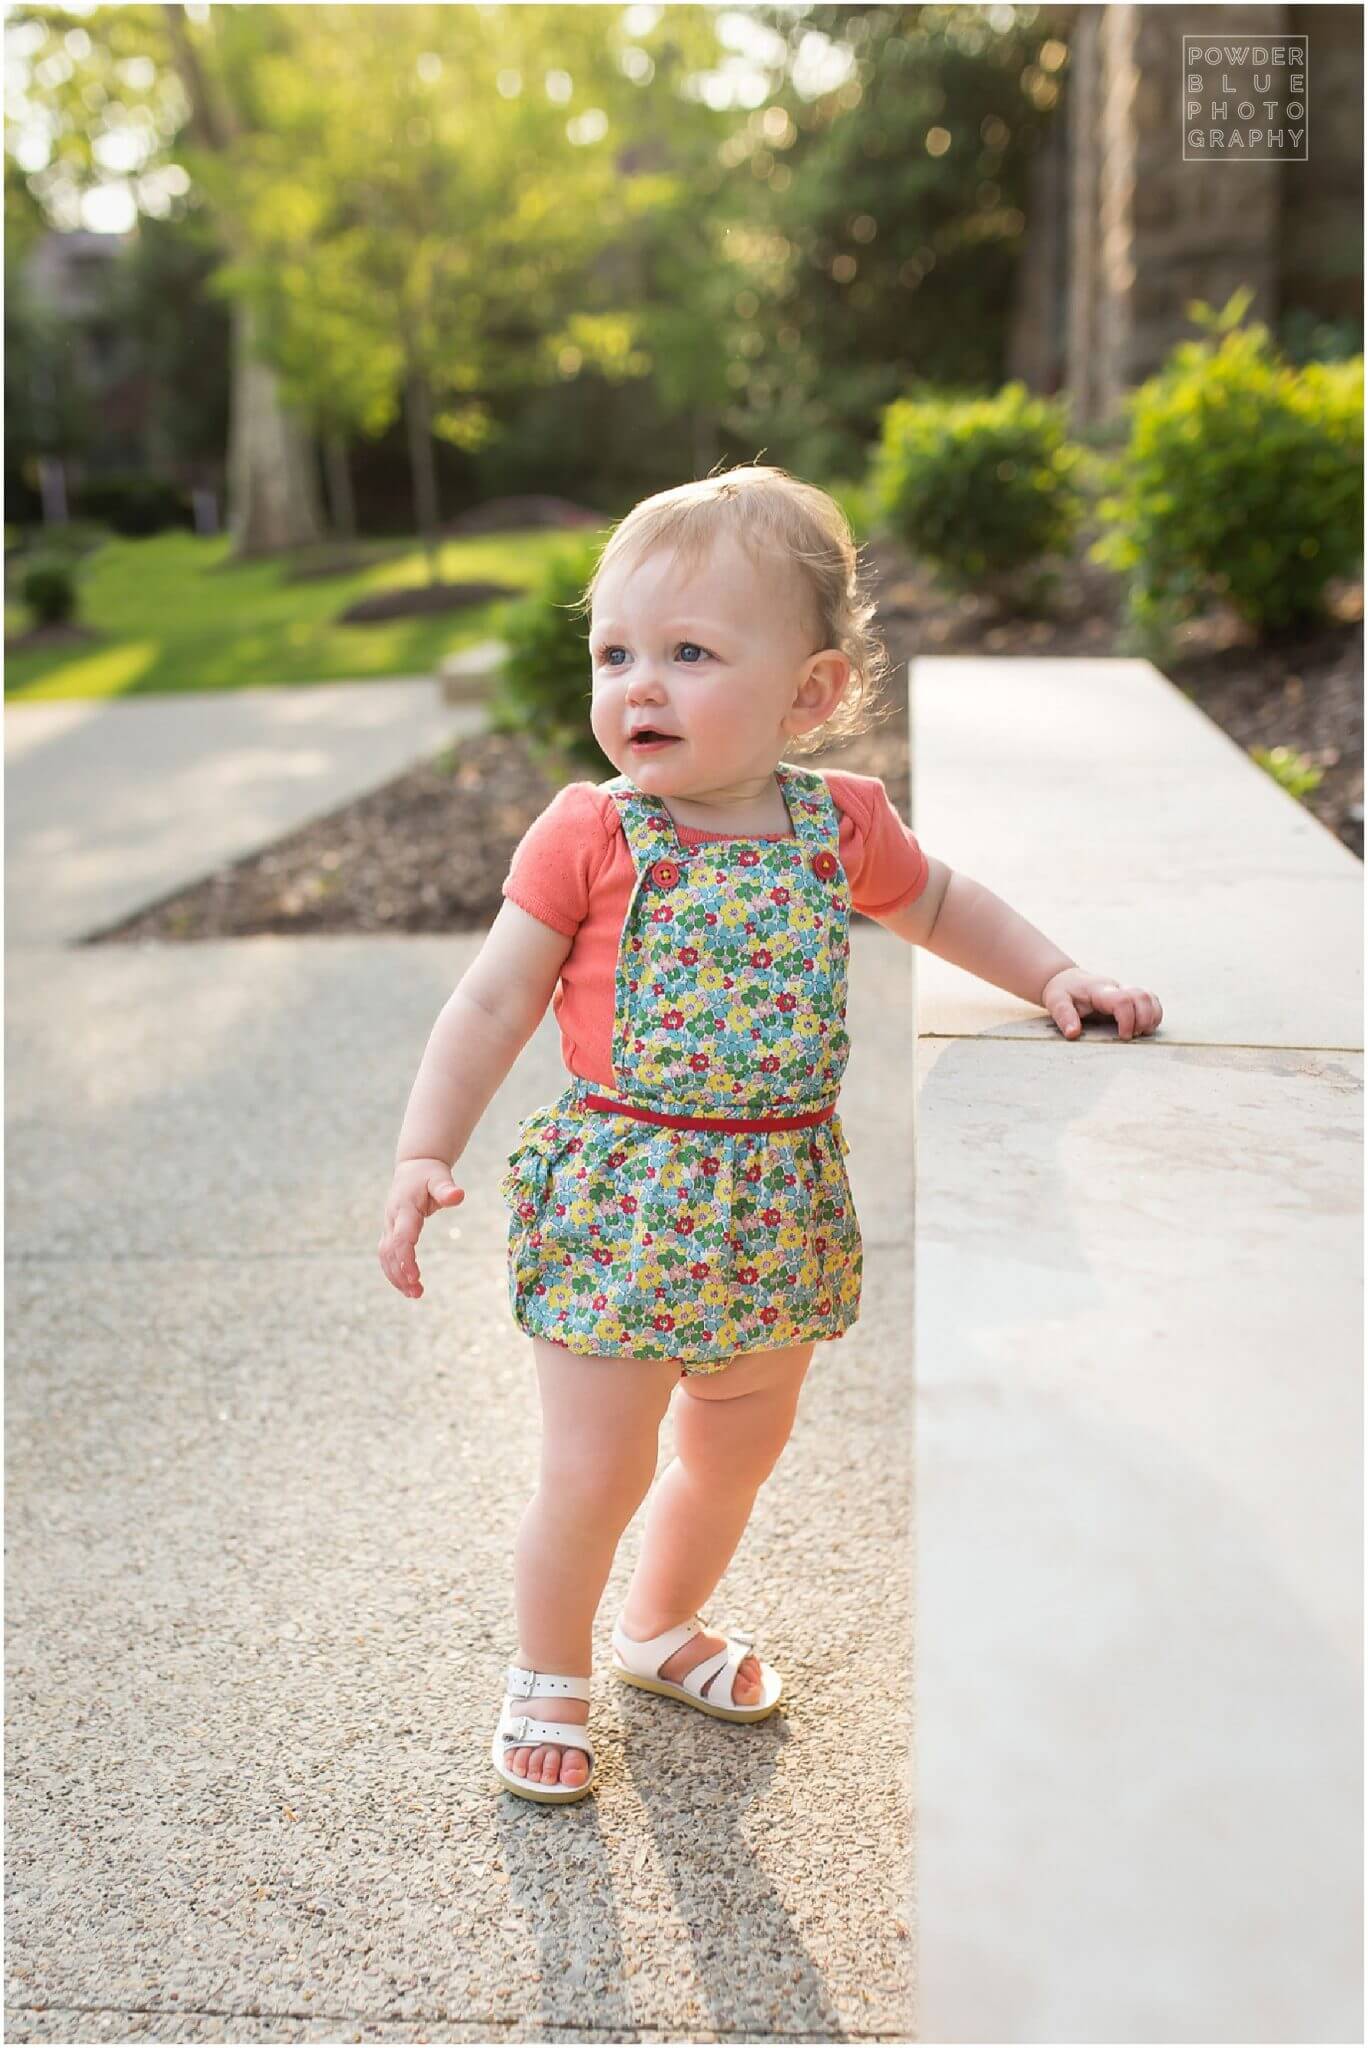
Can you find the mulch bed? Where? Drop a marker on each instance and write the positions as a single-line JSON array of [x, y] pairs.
[[428, 851], [417, 600]]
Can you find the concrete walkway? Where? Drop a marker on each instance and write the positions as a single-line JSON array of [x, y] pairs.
[[1138, 1388], [110, 804], [261, 1512]]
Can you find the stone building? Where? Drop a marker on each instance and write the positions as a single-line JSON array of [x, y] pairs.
[[1125, 229]]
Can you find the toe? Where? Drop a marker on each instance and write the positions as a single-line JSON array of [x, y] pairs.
[[574, 1767], [748, 1681], [550, 1766], [518, 1762], [747, 1685]]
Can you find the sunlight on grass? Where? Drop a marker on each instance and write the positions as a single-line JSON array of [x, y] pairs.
[[176, 613], [109, 672]]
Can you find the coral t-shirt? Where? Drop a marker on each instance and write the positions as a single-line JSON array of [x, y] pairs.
[[572, 869]]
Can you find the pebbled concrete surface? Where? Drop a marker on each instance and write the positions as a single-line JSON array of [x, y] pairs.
[[112, 804], [259, 1533]]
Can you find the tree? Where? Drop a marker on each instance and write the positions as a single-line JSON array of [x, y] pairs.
[[184, 362], [901, 194], [438, 214], [189, 87], [46, 416], [272, 497]]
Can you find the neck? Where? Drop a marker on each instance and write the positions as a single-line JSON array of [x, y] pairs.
[[745, 807], [748, 791]]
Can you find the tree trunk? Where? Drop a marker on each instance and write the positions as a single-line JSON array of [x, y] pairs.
[[418, 414], [52, 486], [341, 499], [273, 495]]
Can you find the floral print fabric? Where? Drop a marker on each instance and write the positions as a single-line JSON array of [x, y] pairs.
[[631, 1238]]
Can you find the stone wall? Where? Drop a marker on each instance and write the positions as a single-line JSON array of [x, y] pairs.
[[1320, 242], [1146, 232]]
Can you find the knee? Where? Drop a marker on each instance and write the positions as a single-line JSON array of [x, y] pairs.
[[596, 1482], [723, 1444]]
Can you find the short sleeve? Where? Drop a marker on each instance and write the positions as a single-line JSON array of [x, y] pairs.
[[555, 863], [884, 861]]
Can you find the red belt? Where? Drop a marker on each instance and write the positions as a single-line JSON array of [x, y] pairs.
[[711, 1123]]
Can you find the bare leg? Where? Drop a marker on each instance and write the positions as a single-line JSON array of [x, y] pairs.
[[729, 1435], [600, 1442]]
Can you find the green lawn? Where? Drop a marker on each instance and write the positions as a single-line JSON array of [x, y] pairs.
[[173, 613]]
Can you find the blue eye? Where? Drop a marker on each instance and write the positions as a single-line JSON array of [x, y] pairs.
[[601, 654]]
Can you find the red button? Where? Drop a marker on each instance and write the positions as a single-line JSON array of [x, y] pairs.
[[824, 864], [665, 874]]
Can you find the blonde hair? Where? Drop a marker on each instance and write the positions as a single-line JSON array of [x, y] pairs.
[[776, 518]]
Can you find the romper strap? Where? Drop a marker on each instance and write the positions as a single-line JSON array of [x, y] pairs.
[[816, 820], [647, 826], [650, 830]]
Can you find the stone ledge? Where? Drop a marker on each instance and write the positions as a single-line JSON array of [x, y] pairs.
[[1138, 1351]]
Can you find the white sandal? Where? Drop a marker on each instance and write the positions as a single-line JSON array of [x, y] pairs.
[[516, 1730], [639, 1664]]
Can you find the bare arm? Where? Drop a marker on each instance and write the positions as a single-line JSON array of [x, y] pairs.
[[483, 1026], [958, 919]]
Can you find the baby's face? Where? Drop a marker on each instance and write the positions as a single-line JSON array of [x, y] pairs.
[[716, 660]]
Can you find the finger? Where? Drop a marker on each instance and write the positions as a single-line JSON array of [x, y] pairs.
[[1065, 1016], [400, 1265], [408, 1221], [399, 1276], [397, 1258]]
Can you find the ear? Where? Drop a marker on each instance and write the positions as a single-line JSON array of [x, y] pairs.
[[826, 677]]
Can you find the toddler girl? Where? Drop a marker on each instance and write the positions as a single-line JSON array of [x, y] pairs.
[[680, 1214]]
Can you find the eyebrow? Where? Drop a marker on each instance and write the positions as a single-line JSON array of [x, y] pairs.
[[671, 626]]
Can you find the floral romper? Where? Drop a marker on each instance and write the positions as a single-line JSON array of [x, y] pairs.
[[700, 1207]]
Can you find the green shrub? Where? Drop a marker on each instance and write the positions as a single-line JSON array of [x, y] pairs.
[[1242, 479], [134, 504], [982, 487], [545, 684], [1303, 337], [48, 588], [67, 540], [856, 500], [1295, 773]]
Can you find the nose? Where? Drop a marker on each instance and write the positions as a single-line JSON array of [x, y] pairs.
[[644, 686]]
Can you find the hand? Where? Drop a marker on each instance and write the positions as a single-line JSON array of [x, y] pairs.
[[419, 1189], [1073, 990]]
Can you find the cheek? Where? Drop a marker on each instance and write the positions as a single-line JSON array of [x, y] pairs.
[[715, 708]]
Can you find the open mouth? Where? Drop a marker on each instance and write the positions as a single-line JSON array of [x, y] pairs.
[[648, 739]]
